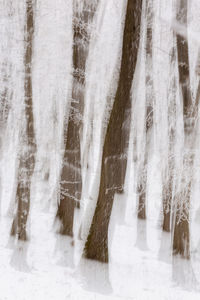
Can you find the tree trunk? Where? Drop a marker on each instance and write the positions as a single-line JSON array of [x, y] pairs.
[[71, 179], [169, 171], [5, 95], [27, 153], [142, 170], [181, 238], [113, 151], [6, 88]]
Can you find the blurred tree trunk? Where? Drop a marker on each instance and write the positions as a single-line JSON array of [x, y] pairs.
[[169, 170], [6, 69], [28, 144], [181, 237], [143, 161], [113, 150], [5, 94], [71, 179]]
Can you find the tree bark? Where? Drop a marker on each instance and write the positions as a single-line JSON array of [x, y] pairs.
[[169, 171], [181, 237], [27, 153], [142, 170], [5, 94], [113, 151], [71, 179]]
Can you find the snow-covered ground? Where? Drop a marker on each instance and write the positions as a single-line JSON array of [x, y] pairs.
[[50, 267]]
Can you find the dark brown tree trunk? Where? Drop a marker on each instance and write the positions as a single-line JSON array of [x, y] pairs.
[[181, 237], [113, 151], [27, 153], [71, 179], [142, 171]]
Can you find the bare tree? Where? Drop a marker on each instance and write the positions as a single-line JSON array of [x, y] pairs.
[[143, 161], [4, 94], [6, 70], [181, 232], [113, 150], [169, 168], [71, 179], [28, 146]]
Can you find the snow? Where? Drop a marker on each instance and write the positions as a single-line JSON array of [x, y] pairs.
[[50, 266], [45, 271]]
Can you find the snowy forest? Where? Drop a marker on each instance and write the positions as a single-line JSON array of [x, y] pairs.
[[99, 149]]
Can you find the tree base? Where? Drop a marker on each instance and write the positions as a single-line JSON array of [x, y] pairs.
[[65, 215], [142, 207], [181, 240], [166, 222], [96, 251]]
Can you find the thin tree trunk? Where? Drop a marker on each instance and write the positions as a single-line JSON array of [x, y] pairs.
[[169, 171], [71, 179], [97, 242], [5, 95], [142, 172], [27, 154], [6, 91]]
